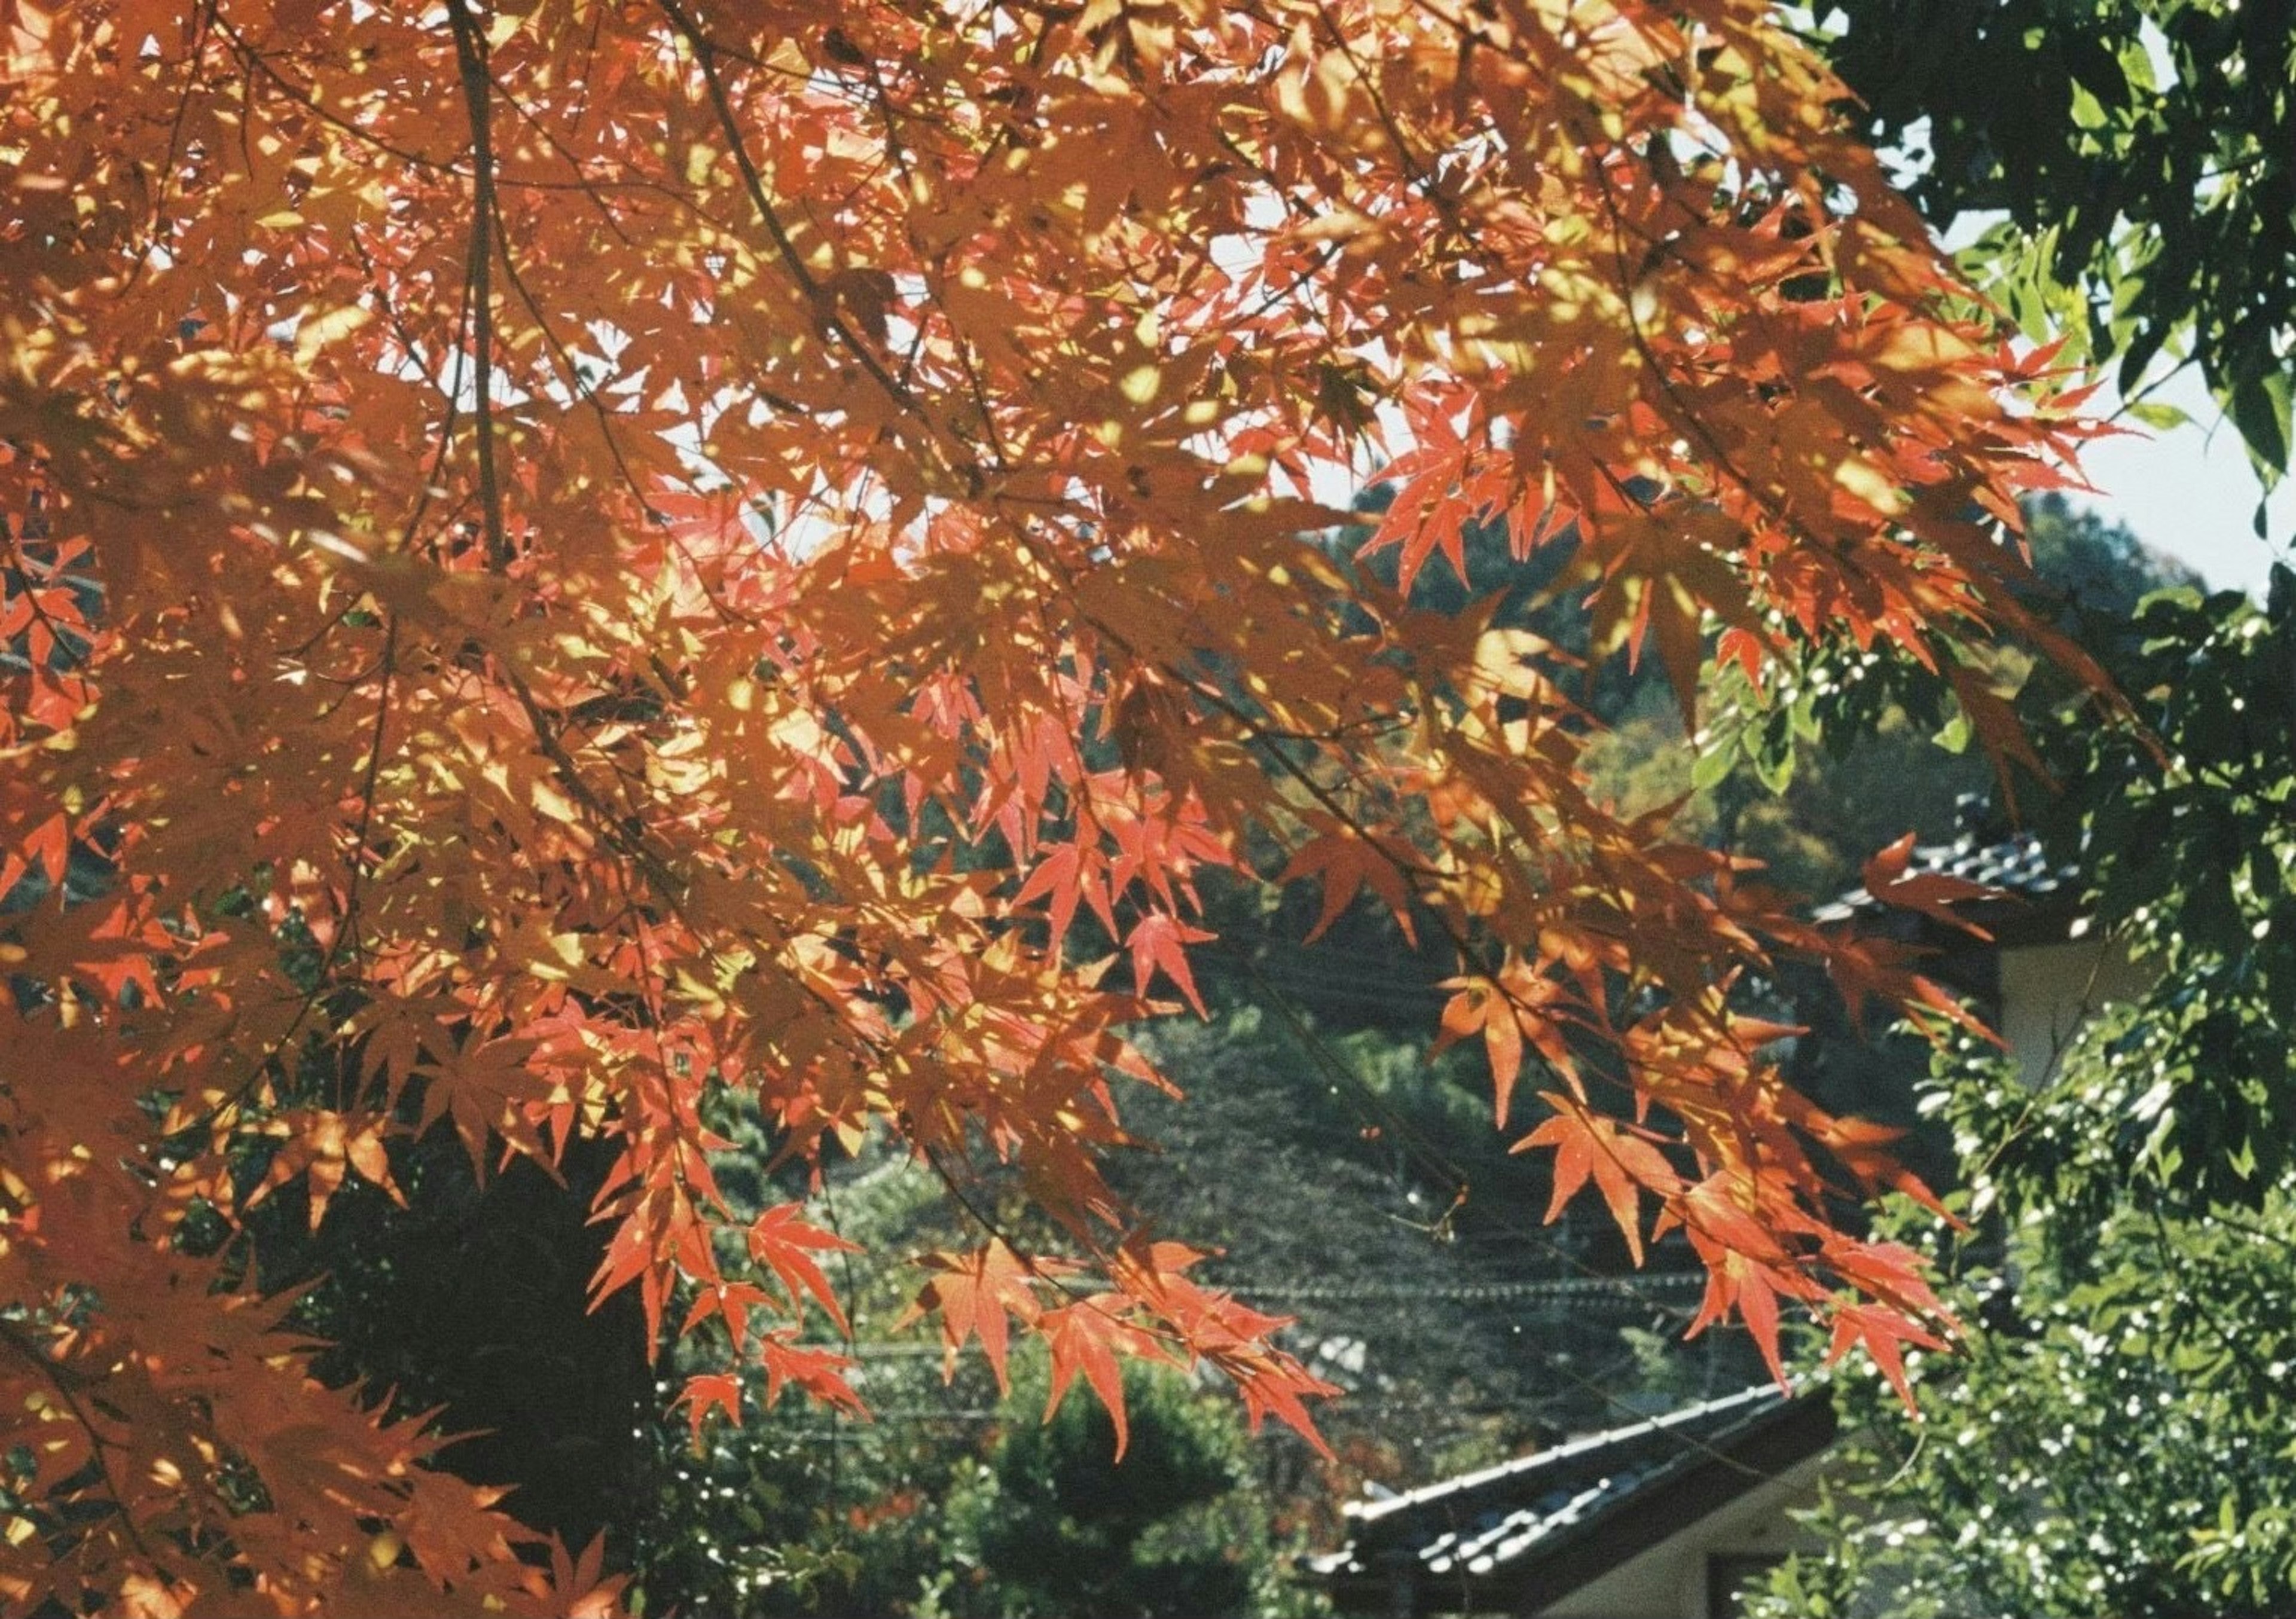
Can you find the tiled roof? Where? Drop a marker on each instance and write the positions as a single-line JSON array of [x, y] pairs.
[[1485, 1523], [2017, 866]]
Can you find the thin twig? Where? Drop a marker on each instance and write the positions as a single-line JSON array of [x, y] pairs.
[[470, 53]]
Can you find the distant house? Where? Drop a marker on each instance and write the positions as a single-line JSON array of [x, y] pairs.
[[1660, 1519], [1669, 1518], [2044, 969]]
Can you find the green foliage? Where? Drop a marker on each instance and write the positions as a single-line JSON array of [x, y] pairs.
[[792, 1513], [2145, 152], [2114, 1439], [1045, 1527], [2117, 1437], [953, 1499], [2192, 850], [801, 1509], [2094, 574], [1830, 760]]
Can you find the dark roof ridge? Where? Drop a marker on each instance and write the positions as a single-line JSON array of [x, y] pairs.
[[1758, 1397], [1519, 1536], [2017, 866]]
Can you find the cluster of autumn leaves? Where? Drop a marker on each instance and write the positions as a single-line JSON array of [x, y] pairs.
[[563, 557]]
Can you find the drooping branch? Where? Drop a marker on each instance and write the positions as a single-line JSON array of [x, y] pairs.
[[478, 97]]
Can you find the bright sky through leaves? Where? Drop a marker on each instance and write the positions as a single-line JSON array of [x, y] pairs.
[[2189, 491]]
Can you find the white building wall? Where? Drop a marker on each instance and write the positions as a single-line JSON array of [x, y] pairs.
[[2048, 990], [1669, 1580]]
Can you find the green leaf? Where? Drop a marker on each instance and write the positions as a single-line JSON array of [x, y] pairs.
[[2159, 417], [2258, 403]]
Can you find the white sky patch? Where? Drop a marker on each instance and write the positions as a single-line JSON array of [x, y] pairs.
[[2191, 490]]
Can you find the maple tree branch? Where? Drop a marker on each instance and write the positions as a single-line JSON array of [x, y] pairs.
[[970, 361], [1028, 1261], [62, 1380], [1418, 876], [410, 346], [208, 20], [310, 643], [626, 836], [1472, 956], [450, 390], [1776, 505], [589, 185], [705, 55], [478, 307], [1470, 953], [575, 380], [478, 85], [1412, 166], [581, 183], [612, 827], [1213, 695], [706, 52], [32, 599], [256, 63], [389, 668], [678, 1115], [477, 90], [345, 925]]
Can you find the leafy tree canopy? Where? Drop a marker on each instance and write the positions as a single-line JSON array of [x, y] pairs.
[[568, 559], [2145, 152], [2116, 1439]]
